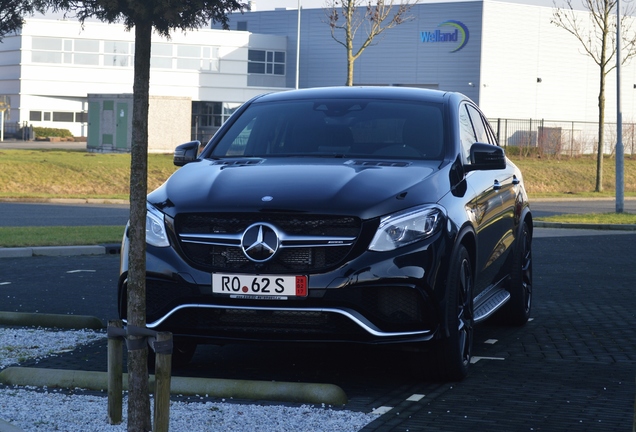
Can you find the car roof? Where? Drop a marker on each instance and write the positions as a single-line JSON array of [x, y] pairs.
[[379, 92]]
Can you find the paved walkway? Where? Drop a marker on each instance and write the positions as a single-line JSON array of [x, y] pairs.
[[571, 368]]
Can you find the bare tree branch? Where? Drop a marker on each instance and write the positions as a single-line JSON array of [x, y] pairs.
[[596, 31], [349, 16]]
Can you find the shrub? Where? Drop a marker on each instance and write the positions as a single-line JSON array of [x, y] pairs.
[[44, 132]]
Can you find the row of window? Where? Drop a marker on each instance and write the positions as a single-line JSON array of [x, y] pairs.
[[211, 114], [204, 114], [266, 62], [90, 52], [58, 116]]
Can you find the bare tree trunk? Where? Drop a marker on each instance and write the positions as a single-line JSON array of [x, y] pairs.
[[138, 393], [601, 111], [350, 61], [349, 43], [601, 134]]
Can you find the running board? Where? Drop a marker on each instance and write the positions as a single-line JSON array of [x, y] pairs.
[[494, 302]]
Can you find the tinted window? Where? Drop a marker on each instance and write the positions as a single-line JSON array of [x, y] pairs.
[[364, 128]]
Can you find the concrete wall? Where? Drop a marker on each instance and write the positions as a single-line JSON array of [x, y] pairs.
[[110, 122]]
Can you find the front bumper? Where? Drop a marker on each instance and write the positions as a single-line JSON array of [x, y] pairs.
[[376, 298]]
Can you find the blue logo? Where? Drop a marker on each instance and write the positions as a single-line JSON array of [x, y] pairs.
[[457, 34]]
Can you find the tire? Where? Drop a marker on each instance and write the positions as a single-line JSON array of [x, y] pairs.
[[454, 352], [516, 311]]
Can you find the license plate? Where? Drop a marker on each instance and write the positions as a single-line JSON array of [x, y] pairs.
[[263, 287]]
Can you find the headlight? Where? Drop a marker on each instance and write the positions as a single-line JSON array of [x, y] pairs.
[[155, 228], [404, 228]]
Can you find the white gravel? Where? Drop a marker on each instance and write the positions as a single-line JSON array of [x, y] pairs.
[[36, 409]]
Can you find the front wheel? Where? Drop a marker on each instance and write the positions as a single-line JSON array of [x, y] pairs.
[[453, 353]]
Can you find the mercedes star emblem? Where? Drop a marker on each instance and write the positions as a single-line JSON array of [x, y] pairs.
[[260, 242]]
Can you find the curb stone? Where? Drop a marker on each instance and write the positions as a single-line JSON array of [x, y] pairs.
[[608, 227], [73, 322], [8, 427], [312, 393]]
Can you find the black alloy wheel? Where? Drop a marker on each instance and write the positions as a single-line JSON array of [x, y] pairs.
[[454, 352]]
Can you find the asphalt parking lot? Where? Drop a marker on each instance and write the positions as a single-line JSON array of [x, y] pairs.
[[572, 367]]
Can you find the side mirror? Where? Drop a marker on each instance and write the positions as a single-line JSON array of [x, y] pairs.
[[186, 153], [485, 157]]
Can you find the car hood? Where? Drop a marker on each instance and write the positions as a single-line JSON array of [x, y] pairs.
[[364, 188]]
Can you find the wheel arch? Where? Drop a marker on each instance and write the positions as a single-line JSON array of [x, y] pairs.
[[466, 238]]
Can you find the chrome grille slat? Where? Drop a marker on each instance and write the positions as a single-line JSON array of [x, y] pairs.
[[308, 243]]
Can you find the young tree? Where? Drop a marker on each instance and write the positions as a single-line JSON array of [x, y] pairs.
[[376, 18], [163, 16], [597, 34], [12, 13]]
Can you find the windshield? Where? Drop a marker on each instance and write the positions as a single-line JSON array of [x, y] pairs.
[[336, 128]]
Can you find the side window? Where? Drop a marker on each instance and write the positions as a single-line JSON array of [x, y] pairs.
[[466, 133], [491, 133], [478, 125]]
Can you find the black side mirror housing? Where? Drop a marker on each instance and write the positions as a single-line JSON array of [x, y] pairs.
[[186, 153], [484, 157]]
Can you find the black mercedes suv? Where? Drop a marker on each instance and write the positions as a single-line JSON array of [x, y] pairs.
[[360, 215]]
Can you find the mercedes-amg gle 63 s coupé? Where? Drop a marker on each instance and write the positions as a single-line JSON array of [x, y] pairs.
[[359, 215]]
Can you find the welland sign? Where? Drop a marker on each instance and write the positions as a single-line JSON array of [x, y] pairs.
[[457, 34]]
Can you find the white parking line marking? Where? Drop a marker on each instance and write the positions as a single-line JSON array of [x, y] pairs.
[[80, 271], [382, 410], [416, 398], [5, 283], [475, 359], [491, 341]]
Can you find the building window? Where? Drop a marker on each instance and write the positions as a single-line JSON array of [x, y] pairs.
[[35, 115], [266, 62], [62, 116], [118, 53], [212, 114], [67, 51], [46, 116], [241, 25], [192, 57], [161, 56], [81, 117]]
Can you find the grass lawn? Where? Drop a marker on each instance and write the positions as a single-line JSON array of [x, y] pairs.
[[33, 175]]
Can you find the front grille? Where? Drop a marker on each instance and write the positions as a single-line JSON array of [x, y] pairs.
[[210, 254], [236, 223]]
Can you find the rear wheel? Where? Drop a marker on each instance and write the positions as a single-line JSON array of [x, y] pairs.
[[517, 310], [453, 353]]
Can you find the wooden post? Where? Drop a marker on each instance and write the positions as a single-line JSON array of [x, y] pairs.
[[115, 365], [163, 366]]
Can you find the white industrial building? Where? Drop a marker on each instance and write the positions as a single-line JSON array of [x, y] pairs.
[[508, 57], [49, 69]]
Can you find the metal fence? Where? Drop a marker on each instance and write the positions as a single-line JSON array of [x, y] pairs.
[[548, 137], [22, 131]]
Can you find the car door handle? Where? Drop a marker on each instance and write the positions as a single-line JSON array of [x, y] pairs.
[[496, 185]]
